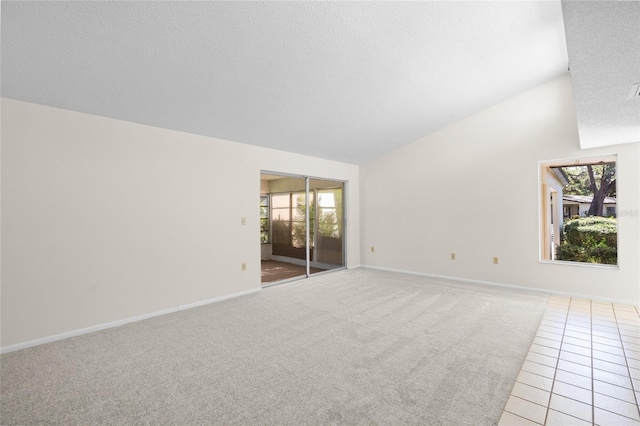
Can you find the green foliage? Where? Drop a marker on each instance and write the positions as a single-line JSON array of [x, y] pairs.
[[299, 232], [330, 218], [264, 219], [590, 239], [580, 183], [264, 230], [578, 180]]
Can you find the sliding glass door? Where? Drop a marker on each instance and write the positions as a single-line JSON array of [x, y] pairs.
[[302, 226], [328, 224], [289, 224]]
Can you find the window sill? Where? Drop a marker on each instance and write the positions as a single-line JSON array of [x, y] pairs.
[[583, 264]]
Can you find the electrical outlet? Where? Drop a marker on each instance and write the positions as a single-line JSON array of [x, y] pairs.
[[244, 266], [495, 260], [453, 256], [373, 249], [243, 221]]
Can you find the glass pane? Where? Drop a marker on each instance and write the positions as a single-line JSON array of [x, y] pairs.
[[298, 234], [280, 214], [281, 233], [299, 214], [285, 257], [280, 200], [578, 210], [326, 198], [328, 247]]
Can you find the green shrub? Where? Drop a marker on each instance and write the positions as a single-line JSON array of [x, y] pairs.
[[590, 239]]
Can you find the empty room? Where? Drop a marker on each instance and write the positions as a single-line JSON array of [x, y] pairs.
[[284, 212]]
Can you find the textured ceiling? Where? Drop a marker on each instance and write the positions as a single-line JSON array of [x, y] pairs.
[[603, 40], [348, 81]]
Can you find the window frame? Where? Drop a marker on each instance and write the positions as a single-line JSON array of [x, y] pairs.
[[543, 223], [267, 207]]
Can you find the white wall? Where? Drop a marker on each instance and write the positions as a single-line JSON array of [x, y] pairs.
[[266, 250], [104, 220], [490, 161]]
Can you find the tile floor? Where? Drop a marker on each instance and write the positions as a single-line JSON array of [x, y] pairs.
[[583, 367]]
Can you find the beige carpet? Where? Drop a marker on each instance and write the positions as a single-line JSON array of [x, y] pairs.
[[350, 347]]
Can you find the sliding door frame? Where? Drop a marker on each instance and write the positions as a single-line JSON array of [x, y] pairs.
[[345, 207]]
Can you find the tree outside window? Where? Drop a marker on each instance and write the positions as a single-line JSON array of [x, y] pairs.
[[578, 210]]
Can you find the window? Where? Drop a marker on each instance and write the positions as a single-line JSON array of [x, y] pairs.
[[288, 211], [578, 210], [264, 219], [329, 211]]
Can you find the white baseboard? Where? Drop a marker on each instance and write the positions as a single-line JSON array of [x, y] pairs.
[[515, 287], [79, 332], [218, 299]]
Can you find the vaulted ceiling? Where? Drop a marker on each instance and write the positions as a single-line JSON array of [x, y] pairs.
[[347, 81]]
